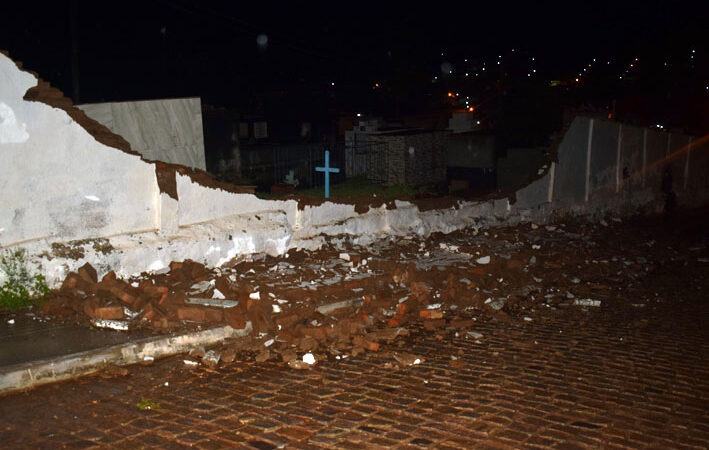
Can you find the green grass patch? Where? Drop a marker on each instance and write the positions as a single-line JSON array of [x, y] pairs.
[[145, 404], [21, 289]]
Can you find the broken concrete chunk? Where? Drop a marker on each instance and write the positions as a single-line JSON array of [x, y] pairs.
[[407, 359], [200, 287], [483, 260], [214, 302], [211, 358], [120, 325], [263, 356], [329, 308]]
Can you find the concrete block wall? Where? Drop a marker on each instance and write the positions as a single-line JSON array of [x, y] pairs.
[[604, 165], [415, 159]]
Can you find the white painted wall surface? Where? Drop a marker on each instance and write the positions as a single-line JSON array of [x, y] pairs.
[[168, 130], [56, 180], [58, 184]]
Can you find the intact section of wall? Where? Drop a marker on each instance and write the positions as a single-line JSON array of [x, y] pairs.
[[168, 130], [698, 171], [655, 152], [57, 180], [603, 165], [631, 157], [538, 192], [199, 204], [570, 182], [677, 159]]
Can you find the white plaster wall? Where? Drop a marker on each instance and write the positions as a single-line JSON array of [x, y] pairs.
[[168, 130], [60, 185], [57, 180], [199, 204]]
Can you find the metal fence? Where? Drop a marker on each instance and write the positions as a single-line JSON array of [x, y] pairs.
[[269, 164], [370, 160]]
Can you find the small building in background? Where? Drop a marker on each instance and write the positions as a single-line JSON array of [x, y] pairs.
[[393, 155]]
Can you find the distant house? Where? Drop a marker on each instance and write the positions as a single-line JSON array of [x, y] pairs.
[[391, 155]]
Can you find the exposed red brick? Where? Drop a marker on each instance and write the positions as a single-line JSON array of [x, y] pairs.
[[319, 333], [88, 273], [233, 318], [213, 315], [434, 324], [109, 277], [149, 312], [431, 314], [365, 344], [191, 313], [95, 311], [478, 271], [120, 290]]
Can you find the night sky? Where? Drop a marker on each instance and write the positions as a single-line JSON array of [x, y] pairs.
[[173, 48]]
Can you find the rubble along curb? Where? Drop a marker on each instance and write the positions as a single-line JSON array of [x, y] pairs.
[[29, 375]]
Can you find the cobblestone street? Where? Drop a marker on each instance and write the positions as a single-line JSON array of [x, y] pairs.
[[630, 374]]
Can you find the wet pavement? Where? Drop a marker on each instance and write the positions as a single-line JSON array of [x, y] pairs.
[[26, 338], [542, 371]]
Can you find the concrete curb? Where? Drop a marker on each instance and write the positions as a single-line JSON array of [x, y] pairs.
[[29, 375]]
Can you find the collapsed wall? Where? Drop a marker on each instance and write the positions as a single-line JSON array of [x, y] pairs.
[[69, 199], [57, 180]]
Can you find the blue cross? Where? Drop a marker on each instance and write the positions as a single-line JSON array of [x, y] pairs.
[[327, 169]]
